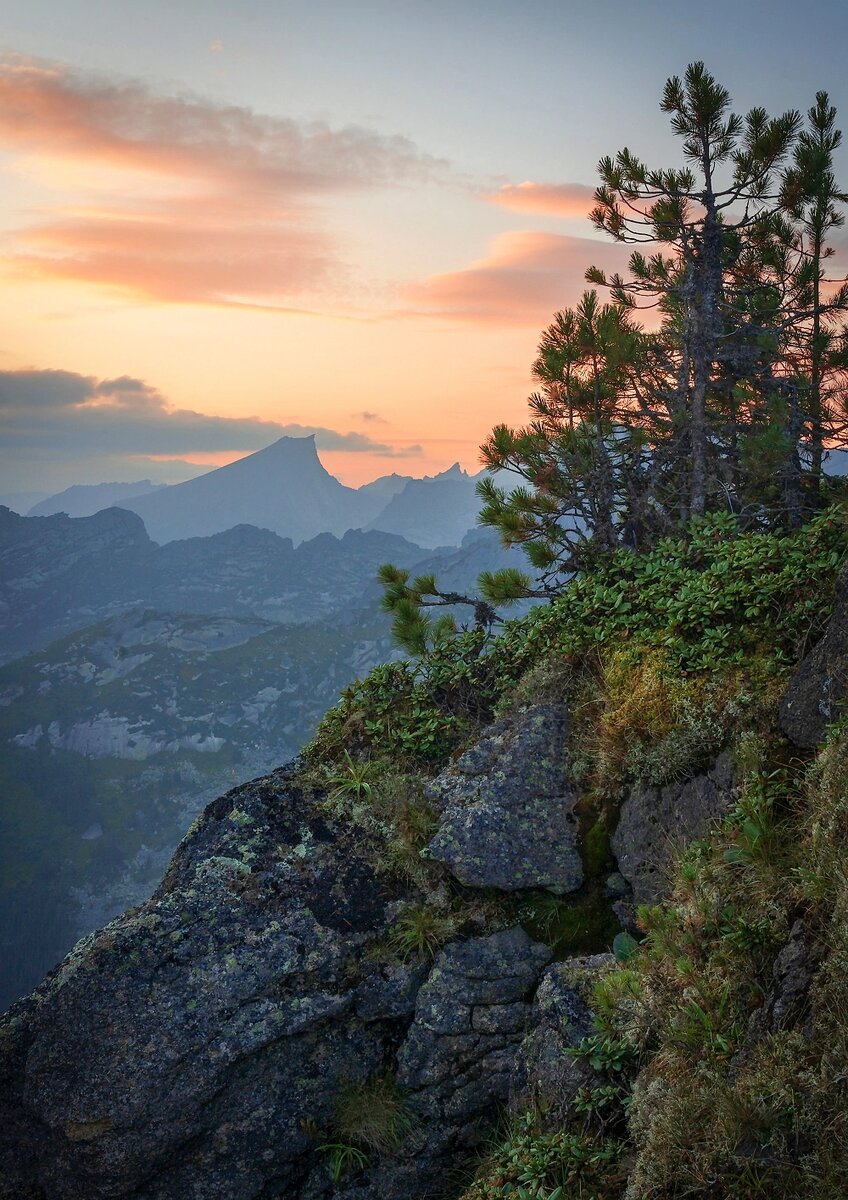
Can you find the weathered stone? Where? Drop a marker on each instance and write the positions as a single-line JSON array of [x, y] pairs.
[[785, 1004], [819, 685], [507, 812], [456, 1060], [185, 1049], [545, 1077], [196, 1046], [655, 822]]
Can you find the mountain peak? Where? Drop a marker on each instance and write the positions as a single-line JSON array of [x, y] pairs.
[[454, 472]]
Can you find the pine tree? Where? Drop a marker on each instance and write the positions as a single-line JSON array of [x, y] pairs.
[[698, 215], [581, 456]]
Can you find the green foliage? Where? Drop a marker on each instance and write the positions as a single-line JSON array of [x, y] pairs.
[[730, 1091], [343, 1158], [530, 1164], [714, 600], [583, 924], [606, 1054], [353, 779], [624, 947], [422, 930], [371, 1115]]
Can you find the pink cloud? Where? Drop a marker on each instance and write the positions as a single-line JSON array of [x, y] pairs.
[[181, 261], [568, 200], [521, 281], [229, 214]]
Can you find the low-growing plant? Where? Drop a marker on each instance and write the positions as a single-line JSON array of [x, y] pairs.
[[422, 930], [343, 1158], [533, 1164], [371, 1114], [352, 779]]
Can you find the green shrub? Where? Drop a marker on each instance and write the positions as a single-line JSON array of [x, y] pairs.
[[530, 1164]]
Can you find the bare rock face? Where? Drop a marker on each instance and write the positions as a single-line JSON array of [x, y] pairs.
[[656, 821], [786, 1003], [182, 1050], [544, 1075], [820, 683], [507, 811], [456, 1061], [196, 1045]]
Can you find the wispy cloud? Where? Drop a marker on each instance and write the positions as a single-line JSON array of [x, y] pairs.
[[66, 415], [571, 201], [370, 418], [187, 200], [521, 281]]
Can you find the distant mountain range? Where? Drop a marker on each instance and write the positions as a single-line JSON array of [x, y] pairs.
[[159, 652], [62, 573], [83, 499], [286, 489]]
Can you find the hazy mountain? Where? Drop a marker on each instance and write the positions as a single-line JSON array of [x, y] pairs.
[[57, 572], [437, 510], [114, 739], [62, 573], [283, 488], [379, 492], [83, 500]]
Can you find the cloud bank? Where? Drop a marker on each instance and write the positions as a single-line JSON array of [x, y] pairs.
[[183, 199], [61, 415], [523, 279], [571, 201]]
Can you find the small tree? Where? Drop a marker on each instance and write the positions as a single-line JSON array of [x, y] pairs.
[[699, 216], [581, 456]]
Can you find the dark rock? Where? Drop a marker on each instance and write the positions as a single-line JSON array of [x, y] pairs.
[[457, 1059], [655, 822], [785, 1004], [507, 811], [545, 1076], [820, 683], [187, 1047], [616, 886], [196, 1046]]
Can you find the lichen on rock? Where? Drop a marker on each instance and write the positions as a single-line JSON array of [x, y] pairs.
[[506, 808]]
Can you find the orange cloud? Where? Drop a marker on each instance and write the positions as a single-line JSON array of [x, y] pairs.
[[186, 200], [181, 261], [569, 200], [523, 279]]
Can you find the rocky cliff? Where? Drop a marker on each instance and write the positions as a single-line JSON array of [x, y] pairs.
[[354, 967]]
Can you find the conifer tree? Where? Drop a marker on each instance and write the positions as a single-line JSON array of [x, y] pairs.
[[698, 216], [581, 456]]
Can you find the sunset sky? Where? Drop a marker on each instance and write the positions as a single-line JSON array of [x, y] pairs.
[[222, 222]]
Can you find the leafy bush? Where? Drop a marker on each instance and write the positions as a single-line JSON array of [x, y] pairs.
[[530, 1164], [713, 600]]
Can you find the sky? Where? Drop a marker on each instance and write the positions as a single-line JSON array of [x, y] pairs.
[[222, 223]]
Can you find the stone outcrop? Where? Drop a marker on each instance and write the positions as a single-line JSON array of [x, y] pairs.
[[656, 821], [819, 686], [545, 1077], [506, 810], [456, 1062], [196, 1045], [786, 1002]]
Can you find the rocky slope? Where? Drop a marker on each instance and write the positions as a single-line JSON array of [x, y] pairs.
[[353, 966], [259, 983]]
